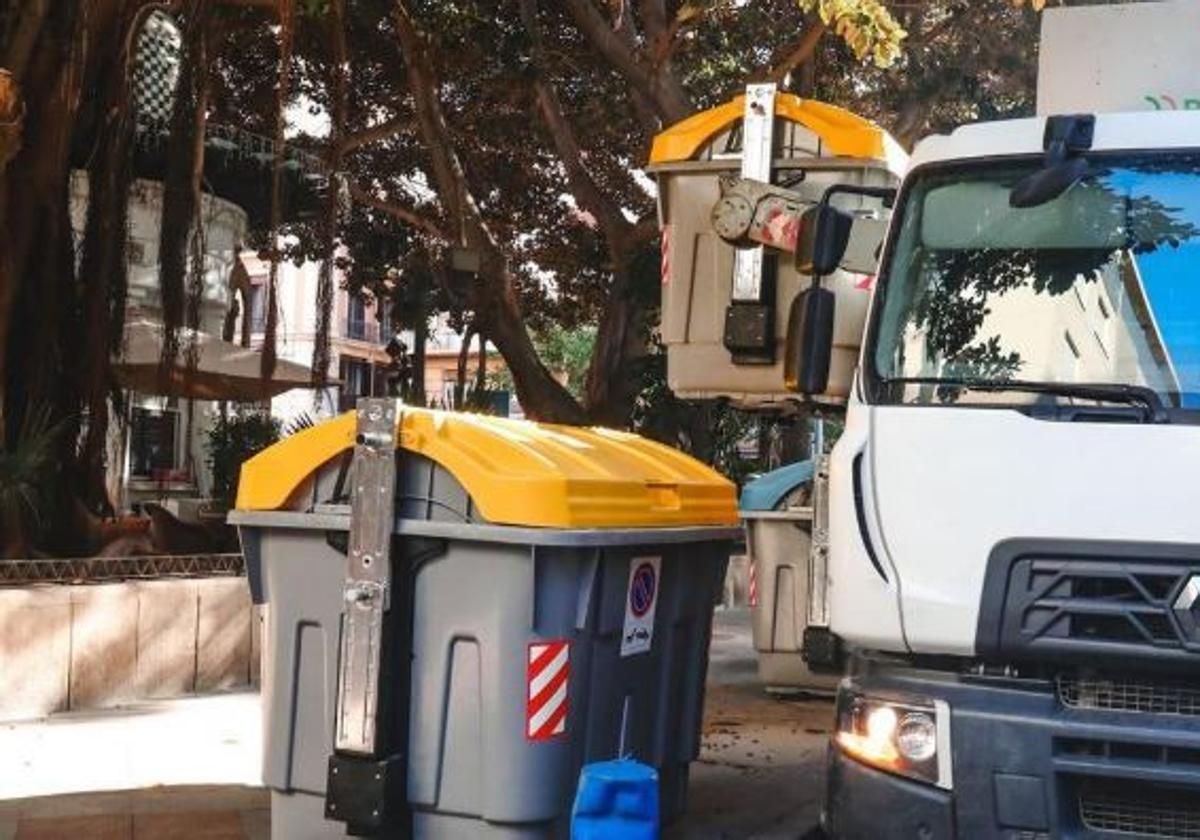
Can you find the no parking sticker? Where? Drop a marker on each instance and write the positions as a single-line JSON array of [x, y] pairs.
[[641, 599]]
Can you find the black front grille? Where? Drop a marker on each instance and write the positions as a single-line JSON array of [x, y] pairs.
[[1140, 811], [1086, 602], [1130, 694]]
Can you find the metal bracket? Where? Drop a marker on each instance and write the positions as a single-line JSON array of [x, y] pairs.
[[818, 566], [367, 588], [758, 129]]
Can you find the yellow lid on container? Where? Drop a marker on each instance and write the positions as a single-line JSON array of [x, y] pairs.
[[844, 132], [519, 472]]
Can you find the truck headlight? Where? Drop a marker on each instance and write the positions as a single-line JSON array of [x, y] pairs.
[[908, 738]]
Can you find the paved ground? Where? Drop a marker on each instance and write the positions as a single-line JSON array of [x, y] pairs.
[[177, 770], [186, 770], [761, 768]]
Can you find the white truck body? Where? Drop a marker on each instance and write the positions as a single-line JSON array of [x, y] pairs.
[[943, 485], [1015, 531], [1128, 57]]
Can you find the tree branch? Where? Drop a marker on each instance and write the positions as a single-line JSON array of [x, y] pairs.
[[396, 211], [376, 133], [661, 88], [448, 174], [802, 52], [339, 84], [654, 17], [494, 291], [566, 143]]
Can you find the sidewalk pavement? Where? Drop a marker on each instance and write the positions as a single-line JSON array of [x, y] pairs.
[[104, 775], [194, 812], [189, 769]]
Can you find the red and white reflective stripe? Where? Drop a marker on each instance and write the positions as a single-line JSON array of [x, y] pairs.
[[666, 255], [546, 697], [753, 585]]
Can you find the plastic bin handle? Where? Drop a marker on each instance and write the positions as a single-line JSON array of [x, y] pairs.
[[664, 495]]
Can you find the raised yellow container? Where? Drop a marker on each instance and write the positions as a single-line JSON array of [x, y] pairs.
[[519, 472]]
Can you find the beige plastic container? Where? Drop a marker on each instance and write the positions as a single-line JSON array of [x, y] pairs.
[[815, 145], [780, 545]]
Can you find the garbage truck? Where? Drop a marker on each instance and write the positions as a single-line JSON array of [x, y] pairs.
[[1014, 546]]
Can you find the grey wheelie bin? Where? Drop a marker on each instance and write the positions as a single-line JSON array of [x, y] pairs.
[[778, 513], [464, 610]]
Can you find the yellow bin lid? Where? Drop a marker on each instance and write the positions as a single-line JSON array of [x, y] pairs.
[[844, 132], [519, 472]]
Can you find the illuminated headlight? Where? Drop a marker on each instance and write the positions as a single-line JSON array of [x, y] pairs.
[[906, 738]]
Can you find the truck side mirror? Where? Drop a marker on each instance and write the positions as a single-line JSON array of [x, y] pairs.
[[824, 235], [809, 345]]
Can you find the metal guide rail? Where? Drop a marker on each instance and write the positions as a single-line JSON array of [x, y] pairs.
[[750, 317], [818, 567], [364, 784], [758, 128]]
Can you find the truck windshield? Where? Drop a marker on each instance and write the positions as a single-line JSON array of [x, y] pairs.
[[1100, 286]]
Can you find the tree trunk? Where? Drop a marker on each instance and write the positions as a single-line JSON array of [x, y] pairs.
[[103, 260], [420, 340], [620, 340], [37, 294], [40, 317], [339, 83], [12, 124], [181, 198], [542, 397], [460, 378], [480, 392], [494, 293], [283, 85]]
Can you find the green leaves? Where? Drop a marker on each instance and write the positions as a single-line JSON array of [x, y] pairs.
[[231, 442], [866, 26], [27, 470]]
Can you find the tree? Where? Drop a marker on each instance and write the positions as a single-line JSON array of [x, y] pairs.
[[68, 63], [66, 104], [492, 180], [521, 156]]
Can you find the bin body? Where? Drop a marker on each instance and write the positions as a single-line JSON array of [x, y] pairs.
[[779, 541], [488, 600], [697, 265]]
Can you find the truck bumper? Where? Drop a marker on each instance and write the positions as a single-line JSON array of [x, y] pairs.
[[1025, 765]]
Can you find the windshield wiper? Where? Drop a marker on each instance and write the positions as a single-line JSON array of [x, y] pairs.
[[1148, 398]]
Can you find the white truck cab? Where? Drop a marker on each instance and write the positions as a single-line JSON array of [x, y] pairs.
[[1014, 516], [1010, 569]]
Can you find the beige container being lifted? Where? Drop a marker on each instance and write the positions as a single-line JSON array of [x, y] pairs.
[[815, 146]]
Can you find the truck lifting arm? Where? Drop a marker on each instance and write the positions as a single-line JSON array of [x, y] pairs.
[[752, 212]]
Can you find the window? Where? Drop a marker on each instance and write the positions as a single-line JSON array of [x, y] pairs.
[[356, 381], [356, 318], [976, 290], [384, 312], [152, 443], [258, 308]]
